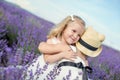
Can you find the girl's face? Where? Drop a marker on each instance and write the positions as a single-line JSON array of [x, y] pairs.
[[73, 32]]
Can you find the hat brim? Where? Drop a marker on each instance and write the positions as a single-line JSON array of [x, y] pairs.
[[88, 52]]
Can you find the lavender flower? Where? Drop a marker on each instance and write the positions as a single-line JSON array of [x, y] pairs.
[[20, 34]]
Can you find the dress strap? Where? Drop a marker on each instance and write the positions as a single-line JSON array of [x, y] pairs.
[[55, 40], [73, 48]]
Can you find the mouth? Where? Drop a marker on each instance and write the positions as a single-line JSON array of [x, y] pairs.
[[72, 40]]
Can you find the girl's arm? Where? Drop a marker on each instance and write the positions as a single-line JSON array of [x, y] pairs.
[[53, 58], [70, 55], [50, 48], [55, 52]]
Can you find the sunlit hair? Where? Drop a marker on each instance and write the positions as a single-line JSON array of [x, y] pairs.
[[59, 28]]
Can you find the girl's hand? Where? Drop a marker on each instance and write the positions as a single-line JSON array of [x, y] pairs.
[[69, 54], [64, 47]]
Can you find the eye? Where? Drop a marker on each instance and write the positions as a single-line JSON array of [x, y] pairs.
[[74, 31], [79, 35]]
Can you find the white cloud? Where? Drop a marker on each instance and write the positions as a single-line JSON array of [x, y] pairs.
[[23, 3]]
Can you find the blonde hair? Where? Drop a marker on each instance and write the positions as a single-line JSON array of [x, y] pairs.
[[59, 28]]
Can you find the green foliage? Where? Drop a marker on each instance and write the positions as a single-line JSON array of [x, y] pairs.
[[11, 35]]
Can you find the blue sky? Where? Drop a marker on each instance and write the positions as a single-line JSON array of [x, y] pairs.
[[103, 15]]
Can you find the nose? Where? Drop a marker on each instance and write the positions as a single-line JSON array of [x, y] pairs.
[[75, 36]]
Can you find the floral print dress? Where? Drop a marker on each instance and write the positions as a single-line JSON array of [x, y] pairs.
[[40, 70]]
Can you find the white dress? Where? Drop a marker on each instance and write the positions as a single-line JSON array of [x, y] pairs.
[[70, 72], [39, 70]]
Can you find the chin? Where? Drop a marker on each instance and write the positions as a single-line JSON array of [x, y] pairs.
[[70, 43]]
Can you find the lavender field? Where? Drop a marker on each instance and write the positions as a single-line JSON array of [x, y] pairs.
[[20, 34]]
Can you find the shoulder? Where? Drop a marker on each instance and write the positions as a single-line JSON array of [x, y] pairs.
[[49, 40], [53, 40]]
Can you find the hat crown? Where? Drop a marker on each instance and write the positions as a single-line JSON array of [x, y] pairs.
[[92, 37]]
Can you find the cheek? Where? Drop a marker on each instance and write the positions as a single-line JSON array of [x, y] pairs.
[[67, 34], [77, 39]]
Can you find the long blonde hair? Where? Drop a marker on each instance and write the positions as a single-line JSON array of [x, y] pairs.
[[59, 28]]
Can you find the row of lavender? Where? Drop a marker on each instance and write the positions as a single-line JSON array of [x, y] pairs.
[[20, 35], [106, 66], [20, 30]]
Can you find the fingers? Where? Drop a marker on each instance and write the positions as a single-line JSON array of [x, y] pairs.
[[71, 56], [71, 59], [70, 50]]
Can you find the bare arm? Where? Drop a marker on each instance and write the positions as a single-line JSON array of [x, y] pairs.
[[50, 48], [53, 58], [55, 52], [70, 55]]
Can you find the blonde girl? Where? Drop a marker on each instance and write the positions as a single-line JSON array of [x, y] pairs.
[[60, 47]]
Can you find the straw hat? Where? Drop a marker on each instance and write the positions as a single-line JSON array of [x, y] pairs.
[[90, 42]]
